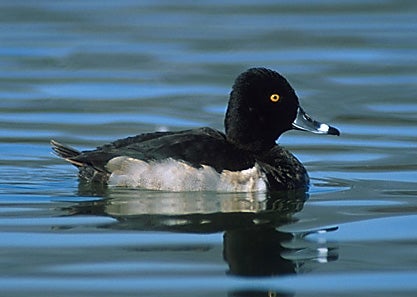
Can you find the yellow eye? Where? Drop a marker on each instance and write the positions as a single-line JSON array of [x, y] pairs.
[[274, 98]]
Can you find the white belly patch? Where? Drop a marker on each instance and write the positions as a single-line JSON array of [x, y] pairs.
[[173, 175]]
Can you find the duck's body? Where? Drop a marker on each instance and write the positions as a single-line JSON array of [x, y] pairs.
[[190, 160], [244, 159]]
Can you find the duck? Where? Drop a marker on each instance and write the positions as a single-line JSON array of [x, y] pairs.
[[244, 158]]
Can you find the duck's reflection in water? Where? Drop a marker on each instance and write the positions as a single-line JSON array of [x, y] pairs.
[[253, 244], [256, 251]]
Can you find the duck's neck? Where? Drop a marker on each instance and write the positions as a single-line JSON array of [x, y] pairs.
[[255, 146]]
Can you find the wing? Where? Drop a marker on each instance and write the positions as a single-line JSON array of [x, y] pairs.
[[197, 147]]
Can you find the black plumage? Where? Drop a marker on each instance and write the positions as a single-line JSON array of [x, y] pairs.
[[262, 106]]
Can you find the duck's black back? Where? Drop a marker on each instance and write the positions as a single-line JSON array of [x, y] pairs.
[[203, 146]]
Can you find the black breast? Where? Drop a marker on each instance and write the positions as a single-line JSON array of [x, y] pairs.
[[283, 170]]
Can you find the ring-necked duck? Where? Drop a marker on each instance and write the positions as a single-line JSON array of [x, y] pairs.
[[246, 158]]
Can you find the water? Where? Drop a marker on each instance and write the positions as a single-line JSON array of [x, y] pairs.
[[86, 73]]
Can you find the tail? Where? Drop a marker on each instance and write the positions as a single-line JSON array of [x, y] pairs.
[[66, 152]]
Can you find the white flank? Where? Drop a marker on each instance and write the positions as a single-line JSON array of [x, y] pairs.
[[172, 175]]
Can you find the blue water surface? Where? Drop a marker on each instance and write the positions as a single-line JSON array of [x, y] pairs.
[[86, 73]]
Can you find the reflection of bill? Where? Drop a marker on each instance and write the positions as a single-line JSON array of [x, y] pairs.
[[265, 251]]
